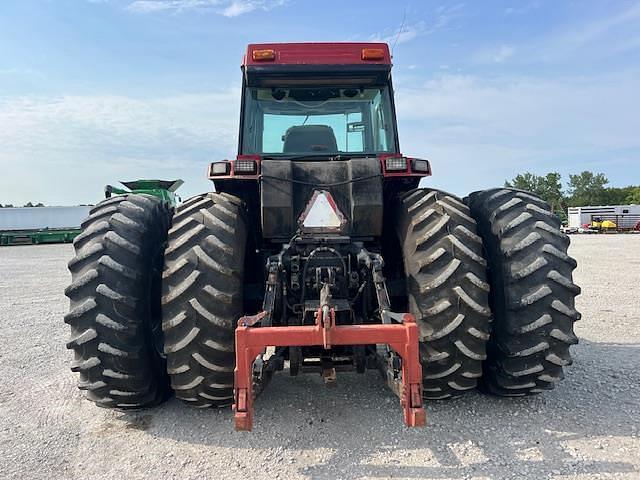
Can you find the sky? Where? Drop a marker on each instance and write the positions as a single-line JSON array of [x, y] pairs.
[[97, 91]]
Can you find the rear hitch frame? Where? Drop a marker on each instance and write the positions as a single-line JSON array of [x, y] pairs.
[[400, 334]]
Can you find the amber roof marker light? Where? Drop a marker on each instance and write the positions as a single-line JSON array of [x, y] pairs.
[[372, 54], [265, 55]]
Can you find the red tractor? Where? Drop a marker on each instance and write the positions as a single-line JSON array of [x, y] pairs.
[[319, 251]]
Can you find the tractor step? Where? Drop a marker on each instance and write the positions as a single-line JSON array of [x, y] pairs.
[[401, 336]]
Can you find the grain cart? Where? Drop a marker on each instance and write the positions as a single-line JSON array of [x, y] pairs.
[[319, 252]]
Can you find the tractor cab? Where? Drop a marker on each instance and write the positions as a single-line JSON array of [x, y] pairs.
[[317, 119], [338, 103]]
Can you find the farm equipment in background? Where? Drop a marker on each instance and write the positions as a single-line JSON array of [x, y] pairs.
[[39, 225], [613, 224], [36, 237], [165, 190], [319, 251], [604, 218], [603, 225]]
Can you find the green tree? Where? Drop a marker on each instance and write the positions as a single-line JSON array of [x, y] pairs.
[[29, 205], [633, 196], [550, 189], [617, 195], [524, 181], [547, 187], [587, 188]]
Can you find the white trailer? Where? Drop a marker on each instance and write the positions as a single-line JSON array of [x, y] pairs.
[[624, 216], [42, 218]]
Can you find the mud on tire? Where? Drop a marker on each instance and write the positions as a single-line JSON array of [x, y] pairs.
[[447, 289], [202, 297], [115, 302], [532, 292]]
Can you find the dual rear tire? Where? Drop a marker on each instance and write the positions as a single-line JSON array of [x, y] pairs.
[[490, 283], [447, 289], [114, 298], [202, 298], [135, 328], [488, 279], [532, 295]]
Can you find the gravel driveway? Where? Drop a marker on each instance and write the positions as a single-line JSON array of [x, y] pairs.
[[588, 428]]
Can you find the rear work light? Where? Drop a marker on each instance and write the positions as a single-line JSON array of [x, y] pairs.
[[395, 164], [372, 54], [420, 166], [263, 55], [219, 168], [245, 166]]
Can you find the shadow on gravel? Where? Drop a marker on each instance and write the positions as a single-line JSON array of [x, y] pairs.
[[358, 424]]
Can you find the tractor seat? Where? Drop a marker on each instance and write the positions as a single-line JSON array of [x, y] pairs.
[[309, 138]]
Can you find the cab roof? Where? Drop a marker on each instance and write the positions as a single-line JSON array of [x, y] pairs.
[[290, 64], [341, 53]]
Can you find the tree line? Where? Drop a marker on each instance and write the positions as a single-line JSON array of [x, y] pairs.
[[585, 188], [28, 204]]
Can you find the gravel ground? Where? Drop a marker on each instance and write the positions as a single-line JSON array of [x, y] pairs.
[[587, 428]]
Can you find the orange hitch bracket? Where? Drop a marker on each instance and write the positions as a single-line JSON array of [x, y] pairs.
[[400, 335]]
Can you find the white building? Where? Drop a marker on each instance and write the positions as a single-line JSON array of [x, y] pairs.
[[624, 216]]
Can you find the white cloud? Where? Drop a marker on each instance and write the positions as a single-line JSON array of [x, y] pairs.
[[495, 55], [64, 149], [588, 32], [521, 8], [228, 8], [591, 39], [149, 6], [479, 131], [447, 14], [584, 41], [22, 72], [238, 8], [443, 17], [503, 53], [405, 34]]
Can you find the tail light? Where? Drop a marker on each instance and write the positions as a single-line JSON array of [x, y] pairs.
[[265, 55], [420, 166], [372, 54], [219, 168], [397, 165], [243, 167]]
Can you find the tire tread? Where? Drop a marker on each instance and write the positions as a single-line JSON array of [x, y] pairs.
[[114, 352], [447, 289], [202, 298], [532, 292]]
